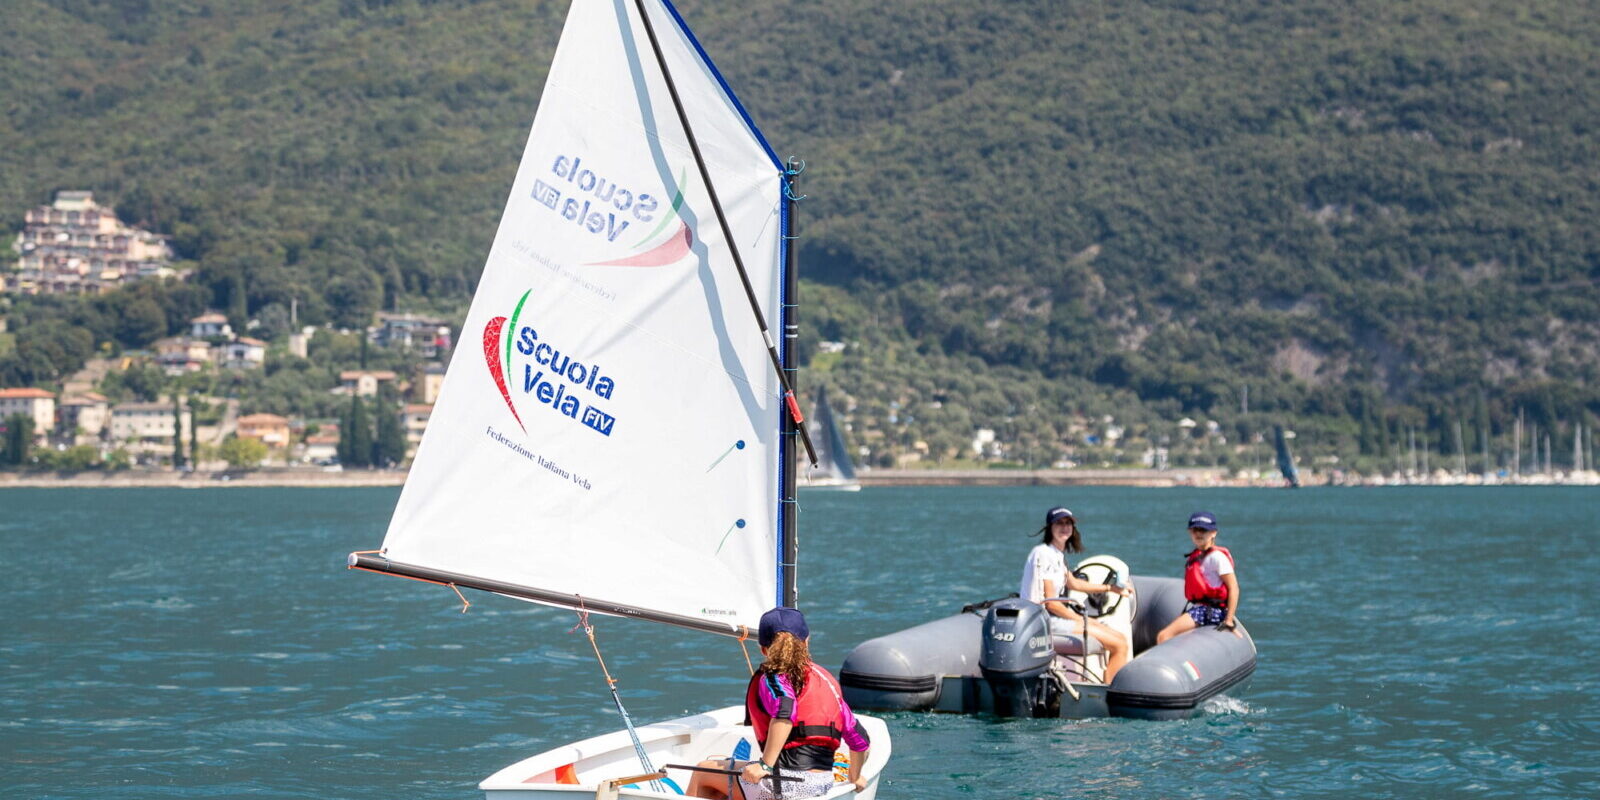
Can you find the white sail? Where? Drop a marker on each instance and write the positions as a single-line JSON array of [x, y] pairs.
[[615, 436], [835, 469]]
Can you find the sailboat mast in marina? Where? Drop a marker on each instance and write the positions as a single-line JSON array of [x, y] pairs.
[[626, 371]]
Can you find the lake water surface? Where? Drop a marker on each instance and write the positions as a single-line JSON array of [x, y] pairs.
[[1414, 642]]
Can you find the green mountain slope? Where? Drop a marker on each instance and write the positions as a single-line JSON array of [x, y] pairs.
[[1378, 215]]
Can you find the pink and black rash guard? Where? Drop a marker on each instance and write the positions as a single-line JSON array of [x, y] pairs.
[[820, 716]]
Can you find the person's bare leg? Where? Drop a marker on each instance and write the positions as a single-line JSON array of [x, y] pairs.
[[1183, 624], [707, 784], [1118, 650]]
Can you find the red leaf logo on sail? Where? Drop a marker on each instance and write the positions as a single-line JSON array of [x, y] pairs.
[[668, 252], [491, 354]]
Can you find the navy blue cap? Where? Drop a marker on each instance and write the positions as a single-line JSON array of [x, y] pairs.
[[1204, 520], [1059, 512], [782, 620]]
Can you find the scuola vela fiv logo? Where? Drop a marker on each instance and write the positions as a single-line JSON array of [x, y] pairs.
[[602, 207], [554, 377]]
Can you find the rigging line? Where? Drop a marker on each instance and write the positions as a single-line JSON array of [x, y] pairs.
[[611, 683], [727, 233], [744, 648]]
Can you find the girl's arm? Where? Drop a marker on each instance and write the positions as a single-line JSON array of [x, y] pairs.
[[1055, 607], [1077, 584], [777, 734], [1232, 583]]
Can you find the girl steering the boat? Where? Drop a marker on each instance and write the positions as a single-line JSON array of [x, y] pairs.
[[1045, 578], [799, 717]]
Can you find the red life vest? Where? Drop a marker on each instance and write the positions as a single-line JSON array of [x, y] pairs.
[[816, 710], [1195, 587]]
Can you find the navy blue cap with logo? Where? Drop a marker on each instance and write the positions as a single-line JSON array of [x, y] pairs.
[[782, 620], [1059, 512], [1204, 520]]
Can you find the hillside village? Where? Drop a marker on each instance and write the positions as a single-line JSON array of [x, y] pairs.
[[74, 246], [191, 401], [286, 395], [82, 427]]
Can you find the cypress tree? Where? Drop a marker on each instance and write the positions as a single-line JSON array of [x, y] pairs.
[[359, 436], [19, 438], [343, 448], [177, 431], [390, 448], [194, 441]]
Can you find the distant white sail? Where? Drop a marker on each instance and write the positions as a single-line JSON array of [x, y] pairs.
[[833, 455], [615, 436]]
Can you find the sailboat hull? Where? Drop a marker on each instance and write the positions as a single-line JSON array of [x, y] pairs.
[[578, 769], [830, 484]]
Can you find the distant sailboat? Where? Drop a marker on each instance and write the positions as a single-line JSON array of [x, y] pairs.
[[623, 442], [1291, 475], [834, 470]]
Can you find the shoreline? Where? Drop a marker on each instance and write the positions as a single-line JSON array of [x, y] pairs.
[[1189, 477], [167, 479]]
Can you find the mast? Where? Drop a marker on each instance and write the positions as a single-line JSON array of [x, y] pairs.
[[788, 534], [727, 233]]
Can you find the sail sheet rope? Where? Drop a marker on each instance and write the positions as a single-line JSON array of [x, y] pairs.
[[611, 683], [744, 636]]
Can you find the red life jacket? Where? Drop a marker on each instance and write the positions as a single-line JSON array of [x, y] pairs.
[[816, 710], [1195, 587]]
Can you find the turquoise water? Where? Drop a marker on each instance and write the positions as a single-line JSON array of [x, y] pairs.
[[1414, 642]]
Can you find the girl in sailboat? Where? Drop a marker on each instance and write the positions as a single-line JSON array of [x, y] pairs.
[[1045, 577], [799, 717]]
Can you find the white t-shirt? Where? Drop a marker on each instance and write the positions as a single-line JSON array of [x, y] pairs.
[[1045, 563], [1213, 566]]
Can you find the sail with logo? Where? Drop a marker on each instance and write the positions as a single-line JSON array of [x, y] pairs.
[[835, 470], [625, 369]]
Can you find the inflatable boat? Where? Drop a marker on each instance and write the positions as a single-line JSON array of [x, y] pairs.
[[999, 657]]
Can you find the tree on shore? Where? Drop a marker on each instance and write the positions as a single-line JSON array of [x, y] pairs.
[[243, 453], [390, 448], [355, 435], [194, 440], [18, 439], [177, 431]]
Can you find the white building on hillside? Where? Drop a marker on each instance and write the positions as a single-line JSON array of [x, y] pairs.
[[36, 404]]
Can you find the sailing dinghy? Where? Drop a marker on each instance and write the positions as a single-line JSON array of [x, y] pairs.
[[834, 470], [623, 443]]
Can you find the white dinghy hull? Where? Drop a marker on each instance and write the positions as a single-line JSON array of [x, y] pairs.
[[688, 740]]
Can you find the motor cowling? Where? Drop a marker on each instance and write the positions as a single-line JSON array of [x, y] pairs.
[[1015, 657]]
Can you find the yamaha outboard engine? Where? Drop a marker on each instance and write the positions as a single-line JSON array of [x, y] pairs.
[[1016, 657]]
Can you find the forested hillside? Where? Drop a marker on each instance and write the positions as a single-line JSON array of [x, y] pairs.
[[1380, 216]]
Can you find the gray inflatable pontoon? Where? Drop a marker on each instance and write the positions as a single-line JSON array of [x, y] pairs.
[[997, 657]]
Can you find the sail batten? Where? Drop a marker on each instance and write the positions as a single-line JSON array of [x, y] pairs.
[[617, 433]]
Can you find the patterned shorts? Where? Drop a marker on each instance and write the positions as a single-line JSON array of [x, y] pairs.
[[1207, 615], [812, 784]]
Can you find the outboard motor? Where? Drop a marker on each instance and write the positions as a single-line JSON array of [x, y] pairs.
[[1016, 657]]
